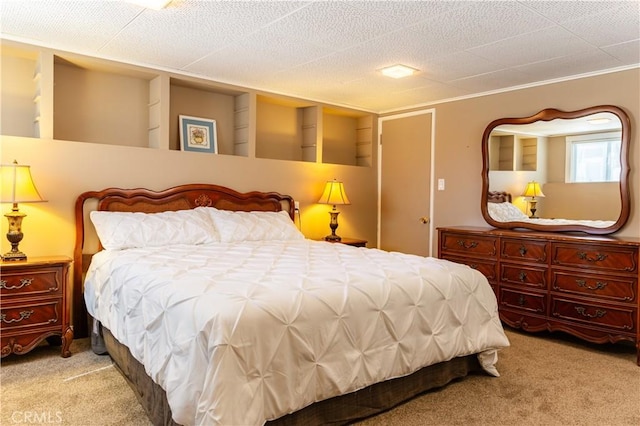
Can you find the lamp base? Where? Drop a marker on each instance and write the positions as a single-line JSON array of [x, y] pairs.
[[333, 224], [14, 256], [14, 236]]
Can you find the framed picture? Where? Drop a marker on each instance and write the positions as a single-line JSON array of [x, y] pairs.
[[198, 134]]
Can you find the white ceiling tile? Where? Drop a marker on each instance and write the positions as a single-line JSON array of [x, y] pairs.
[[536, 46], [193, 30], [334, 25], [628, 53], [492, 80], [405, 13], [581, 63], [238, 61], [431, 91], [403, 46], [77, 25], [560, 11], [478, 24], [613, 26], [458, 65]]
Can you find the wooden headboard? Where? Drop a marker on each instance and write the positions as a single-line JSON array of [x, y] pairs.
[[498, 197], [181, 197]]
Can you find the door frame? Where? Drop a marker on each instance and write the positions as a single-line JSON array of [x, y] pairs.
[[381, 120]]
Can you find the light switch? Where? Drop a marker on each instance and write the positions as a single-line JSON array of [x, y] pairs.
[[440, 184]]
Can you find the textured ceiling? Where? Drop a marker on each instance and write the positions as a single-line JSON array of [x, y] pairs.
[[332, 51]]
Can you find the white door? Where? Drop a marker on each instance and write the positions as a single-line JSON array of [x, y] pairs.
[[405, 183]]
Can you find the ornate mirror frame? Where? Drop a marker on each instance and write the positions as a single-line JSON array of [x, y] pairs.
[[548, 115]]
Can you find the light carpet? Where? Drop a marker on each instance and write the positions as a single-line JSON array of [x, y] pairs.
[[546, 379]]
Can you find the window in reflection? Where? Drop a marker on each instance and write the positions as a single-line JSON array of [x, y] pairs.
[[594, 158]]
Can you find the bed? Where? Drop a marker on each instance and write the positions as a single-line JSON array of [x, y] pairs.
[[501, 209], [218, 311]]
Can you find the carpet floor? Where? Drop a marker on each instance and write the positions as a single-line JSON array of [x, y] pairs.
[[546, 379]]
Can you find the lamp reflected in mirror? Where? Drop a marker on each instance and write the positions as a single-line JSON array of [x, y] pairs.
[[17, 186], [532, 191], [334, 194]]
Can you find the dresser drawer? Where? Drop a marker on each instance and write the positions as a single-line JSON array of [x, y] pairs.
[[519, 275], [523, 250], [469, 245], [596, 257], [526, 302], [486, 267], [601, 286], [30, 282], [30, 315], [619, 318]]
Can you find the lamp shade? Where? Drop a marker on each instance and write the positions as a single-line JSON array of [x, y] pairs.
[[334, 193], [16, 184], [533, 190]]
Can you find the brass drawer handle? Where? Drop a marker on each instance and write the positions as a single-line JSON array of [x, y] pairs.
[[599, 312], [522, 276], [521, 300], [467, 245], [599, 285], [599, 257], [522, 250], [23, 283], [23, 315]]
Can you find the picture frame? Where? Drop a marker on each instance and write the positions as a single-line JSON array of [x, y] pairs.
[[198, 134]]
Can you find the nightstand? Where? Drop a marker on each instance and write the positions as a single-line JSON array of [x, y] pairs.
[[34, 304], [352, 242]]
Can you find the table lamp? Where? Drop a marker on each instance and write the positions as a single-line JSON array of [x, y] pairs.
[[334, 194], [16, 186], [533, 190]]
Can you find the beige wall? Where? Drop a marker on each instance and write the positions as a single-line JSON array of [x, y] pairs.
[[62, 170], [460, 125], [596, 200]]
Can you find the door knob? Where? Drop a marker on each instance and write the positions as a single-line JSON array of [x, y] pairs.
[[424, 220]]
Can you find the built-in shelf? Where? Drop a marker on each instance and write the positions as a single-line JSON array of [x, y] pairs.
[[510, 152], [106, 102]]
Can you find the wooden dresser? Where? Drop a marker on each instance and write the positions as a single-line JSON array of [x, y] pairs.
[[583, 285], [35, 304]]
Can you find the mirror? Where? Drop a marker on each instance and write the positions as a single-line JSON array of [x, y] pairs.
[[557, 171]]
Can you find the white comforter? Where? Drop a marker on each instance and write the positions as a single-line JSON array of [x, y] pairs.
[[241, 333]]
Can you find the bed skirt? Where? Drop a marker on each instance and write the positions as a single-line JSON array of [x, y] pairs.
[[339, 410]]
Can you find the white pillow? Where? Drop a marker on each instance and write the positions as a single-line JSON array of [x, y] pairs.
[[253, 226], [121, 230], [506, 212]]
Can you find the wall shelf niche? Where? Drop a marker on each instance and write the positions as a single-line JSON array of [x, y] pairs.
[[347, 137], [512, 152], [229, 108], [287, 129]]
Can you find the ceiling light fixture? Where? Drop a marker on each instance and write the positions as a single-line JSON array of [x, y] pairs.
[[151, 4], [602, 120], [398, 71]]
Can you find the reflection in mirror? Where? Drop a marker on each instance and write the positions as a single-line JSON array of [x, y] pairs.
[[563, 171]]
